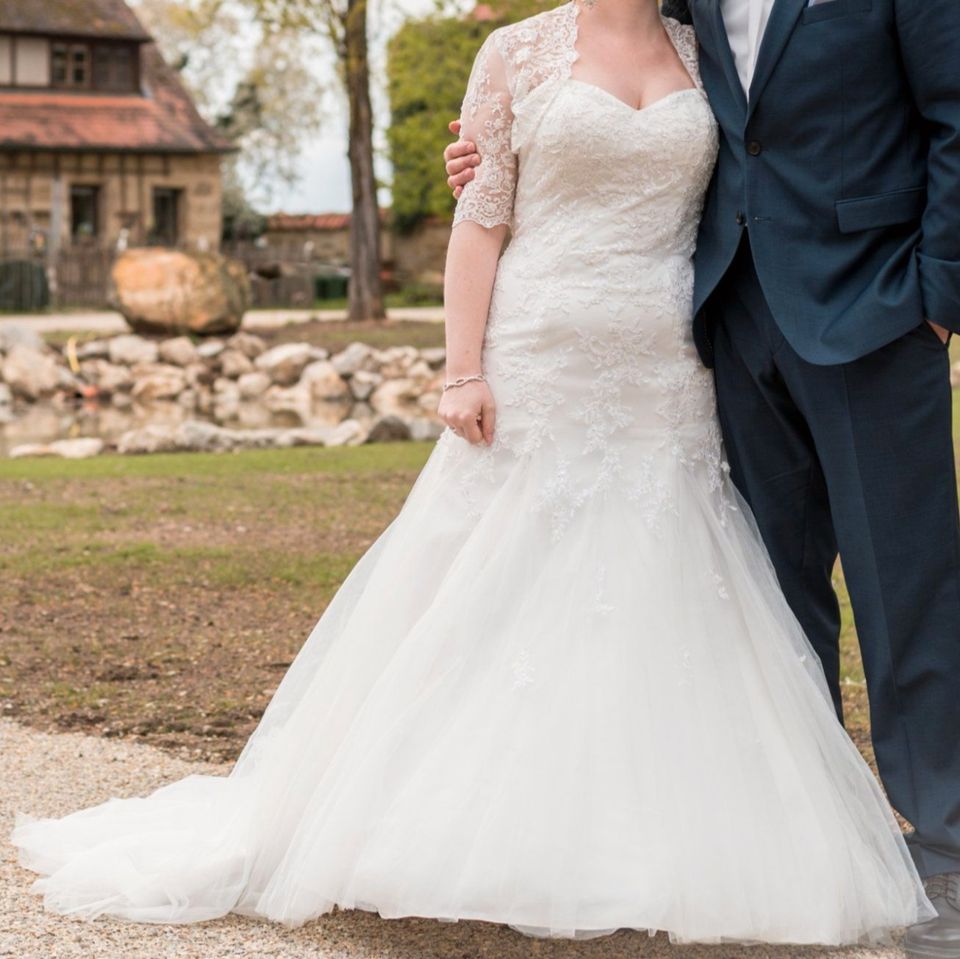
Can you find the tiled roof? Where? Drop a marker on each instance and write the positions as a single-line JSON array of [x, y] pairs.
[[164, 120], [77, 18], [305, 222], [296, 222]]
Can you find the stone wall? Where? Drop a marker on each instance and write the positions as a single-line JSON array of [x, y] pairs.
[[226, 393]]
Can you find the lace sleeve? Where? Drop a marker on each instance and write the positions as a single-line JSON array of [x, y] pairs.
[[487, 120], [684, 38]]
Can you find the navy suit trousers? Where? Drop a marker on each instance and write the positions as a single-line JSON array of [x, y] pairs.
[[858, 459]]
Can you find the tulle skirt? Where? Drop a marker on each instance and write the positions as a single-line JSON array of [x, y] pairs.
[[619, 726]]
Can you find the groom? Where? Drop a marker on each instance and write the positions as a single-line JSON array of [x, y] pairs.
[[827, 285]]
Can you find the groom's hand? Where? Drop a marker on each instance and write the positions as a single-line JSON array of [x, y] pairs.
[[941, 331], [461, 157]]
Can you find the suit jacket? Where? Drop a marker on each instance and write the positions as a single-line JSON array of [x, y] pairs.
[[844, 167]]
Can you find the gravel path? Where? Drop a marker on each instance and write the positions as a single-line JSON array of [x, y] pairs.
[[53, 774]]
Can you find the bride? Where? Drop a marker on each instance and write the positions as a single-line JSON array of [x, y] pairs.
[[563, 690]]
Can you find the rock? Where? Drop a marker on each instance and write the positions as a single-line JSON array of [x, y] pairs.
[[30, 373], [423, 429], [289, 399], [252, 416], [30, 449], [94, 350], [106, 376], [77, 449], [198, 436], [233, 363], [226, 400], [211, 349], [306, 436], [348, 433], [6, 395], [175, 291], [357, 356], [199, 374], [158, 381], [324, 382], [284, 363], [20, 334], [180, 351], [187, 399], [394, 397], [66, 381], [363, 412], [129, 350], [252, 385], [434, 356], [420, 370], [148, 439], [363, 383], [249, 345], [395, 361], [388, 429]]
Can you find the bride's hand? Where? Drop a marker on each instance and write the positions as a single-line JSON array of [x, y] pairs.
[[470, 411]]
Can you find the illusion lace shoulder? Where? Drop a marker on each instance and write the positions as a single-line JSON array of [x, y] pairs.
[[563, 690]]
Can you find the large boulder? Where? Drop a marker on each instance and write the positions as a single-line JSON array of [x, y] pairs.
[[172, 291]]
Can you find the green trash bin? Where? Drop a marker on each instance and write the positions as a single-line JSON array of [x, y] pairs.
[[330, 286], [23, 286]]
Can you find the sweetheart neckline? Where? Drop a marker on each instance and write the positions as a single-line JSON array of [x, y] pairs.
[[637, 110]]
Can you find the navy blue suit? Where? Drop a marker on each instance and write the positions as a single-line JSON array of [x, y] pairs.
[[831, 232]]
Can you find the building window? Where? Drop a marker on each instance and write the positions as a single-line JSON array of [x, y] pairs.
[[6, 60], [114, 67], [70, 65], [84, 212], [29, 61], [166, 216]]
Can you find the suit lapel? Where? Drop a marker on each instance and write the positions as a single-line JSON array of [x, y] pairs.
[[708, 15], [783, 19]]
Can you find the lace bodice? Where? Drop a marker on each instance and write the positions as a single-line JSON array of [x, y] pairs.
[[518, 77], [588, 346]]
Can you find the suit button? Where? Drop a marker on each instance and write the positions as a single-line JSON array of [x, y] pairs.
[[754, 148], [741, 218]]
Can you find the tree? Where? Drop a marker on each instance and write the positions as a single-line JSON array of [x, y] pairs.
[[344, 24], [428, 66], [249, 80], [429, 62]]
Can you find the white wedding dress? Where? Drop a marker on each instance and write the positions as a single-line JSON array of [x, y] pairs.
[[563, 690]]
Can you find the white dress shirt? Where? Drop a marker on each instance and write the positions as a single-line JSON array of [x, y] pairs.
[[746, 21]]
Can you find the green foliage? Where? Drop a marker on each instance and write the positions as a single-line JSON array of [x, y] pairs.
[[428, 66]]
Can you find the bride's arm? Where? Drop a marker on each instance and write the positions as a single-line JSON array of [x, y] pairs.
[[471, 267], [483, 215]]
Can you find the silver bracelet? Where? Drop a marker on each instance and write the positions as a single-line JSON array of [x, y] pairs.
[[478, 378]]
